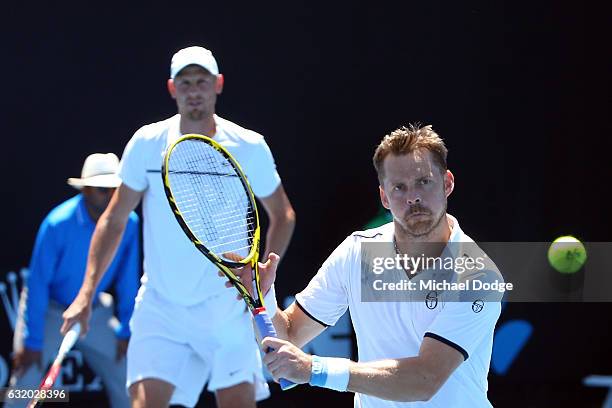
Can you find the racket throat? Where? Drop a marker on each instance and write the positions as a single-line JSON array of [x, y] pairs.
[[258, 310]]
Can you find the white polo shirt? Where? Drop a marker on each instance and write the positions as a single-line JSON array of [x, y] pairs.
[[172, 264], [394, 329]]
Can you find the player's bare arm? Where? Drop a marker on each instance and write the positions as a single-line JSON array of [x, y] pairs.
[[406, 379], [281, 222], [294, 326], [105, 240]]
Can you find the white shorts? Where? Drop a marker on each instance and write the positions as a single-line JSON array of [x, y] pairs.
[[212, 342]]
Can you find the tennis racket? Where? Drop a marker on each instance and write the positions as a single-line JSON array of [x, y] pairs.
[[47, 383], [213, 203]]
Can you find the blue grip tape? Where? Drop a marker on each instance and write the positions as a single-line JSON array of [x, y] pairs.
[[266, 329]]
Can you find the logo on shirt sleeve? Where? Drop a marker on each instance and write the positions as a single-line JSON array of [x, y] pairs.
[[477, 306]]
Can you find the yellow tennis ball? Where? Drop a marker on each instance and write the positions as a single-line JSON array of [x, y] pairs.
[[567, 254]]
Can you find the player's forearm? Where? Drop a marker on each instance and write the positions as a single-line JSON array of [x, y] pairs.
[[406, 379], [281, 323], [294, 326], [286, 330], [104, 243], [280, 230]]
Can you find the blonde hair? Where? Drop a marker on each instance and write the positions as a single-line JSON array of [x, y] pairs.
[[406, 140]]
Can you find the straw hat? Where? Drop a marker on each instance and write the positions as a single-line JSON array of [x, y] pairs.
[[99, 170]]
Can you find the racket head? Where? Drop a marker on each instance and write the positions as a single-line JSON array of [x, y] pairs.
[[213, 203]]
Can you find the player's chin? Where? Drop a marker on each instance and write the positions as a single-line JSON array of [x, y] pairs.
[[420, 226], [196, 114]]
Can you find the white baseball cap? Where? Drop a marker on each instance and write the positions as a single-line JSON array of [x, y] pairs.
[[99, 170], [193, 56]]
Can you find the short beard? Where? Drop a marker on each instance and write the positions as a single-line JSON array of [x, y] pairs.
[[410, 232]]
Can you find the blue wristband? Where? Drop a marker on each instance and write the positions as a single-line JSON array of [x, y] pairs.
[[330, 372], [318, 374]]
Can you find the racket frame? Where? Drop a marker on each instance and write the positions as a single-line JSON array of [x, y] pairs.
[[224, 265], [256, 305], [50, 377]]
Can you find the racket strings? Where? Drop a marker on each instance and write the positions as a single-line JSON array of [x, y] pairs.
[[213, 201]]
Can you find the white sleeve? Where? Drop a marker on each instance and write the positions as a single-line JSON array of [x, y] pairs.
[[263, 177], [465, 325], [325, 299], [132, 171]]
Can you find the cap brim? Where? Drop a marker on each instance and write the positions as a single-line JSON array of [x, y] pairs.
[[177, 70], [102, 180]]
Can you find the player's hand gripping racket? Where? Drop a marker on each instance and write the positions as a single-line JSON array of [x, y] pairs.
[[47, 383], [215, 206]]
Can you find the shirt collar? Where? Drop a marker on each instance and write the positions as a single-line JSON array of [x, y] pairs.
[[174, 130]]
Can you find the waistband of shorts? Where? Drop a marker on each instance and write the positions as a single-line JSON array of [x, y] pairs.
[[159, 295]]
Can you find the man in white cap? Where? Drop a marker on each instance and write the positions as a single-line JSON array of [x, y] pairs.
[[188, 330], [56, 273]]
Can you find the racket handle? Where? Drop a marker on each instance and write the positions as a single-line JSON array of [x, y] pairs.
[[70, 338], [266, 329]]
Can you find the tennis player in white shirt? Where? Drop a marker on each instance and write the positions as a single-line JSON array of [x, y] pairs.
[[430, 352]]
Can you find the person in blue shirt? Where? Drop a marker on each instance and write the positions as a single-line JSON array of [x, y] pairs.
[[56, 272]]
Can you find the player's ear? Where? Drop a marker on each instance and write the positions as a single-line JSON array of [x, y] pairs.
[[383, 197], [172, 88], [449, 182], [219, 84]]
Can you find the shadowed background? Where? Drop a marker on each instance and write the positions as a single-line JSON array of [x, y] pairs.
[[519, 91]]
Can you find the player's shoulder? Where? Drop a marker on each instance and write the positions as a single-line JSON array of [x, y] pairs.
[[237, 133], [351, 247], [379, 234], [482, 276], [155, 130], [482, 269], [486, 267], [474, 267]]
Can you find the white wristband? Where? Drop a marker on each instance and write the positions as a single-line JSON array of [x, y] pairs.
[[270, 302], [330, 372]]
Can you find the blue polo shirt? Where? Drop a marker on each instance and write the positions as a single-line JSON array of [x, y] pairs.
[[58, 266]]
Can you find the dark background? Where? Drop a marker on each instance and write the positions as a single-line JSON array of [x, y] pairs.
[[520, 91]]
